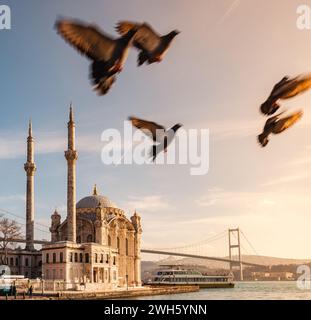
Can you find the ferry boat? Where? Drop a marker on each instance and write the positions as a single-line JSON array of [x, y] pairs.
[[180, 277]]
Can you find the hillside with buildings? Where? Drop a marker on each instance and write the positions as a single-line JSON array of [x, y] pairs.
[[273, 269]]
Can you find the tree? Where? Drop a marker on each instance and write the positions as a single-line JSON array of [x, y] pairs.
[[9, 230]]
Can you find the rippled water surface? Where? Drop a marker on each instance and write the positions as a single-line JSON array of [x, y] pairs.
[[245, 291]]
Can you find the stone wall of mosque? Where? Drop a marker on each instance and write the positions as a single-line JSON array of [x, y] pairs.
[[23, 262]]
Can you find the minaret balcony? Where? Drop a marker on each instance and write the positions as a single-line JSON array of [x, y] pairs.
[[30, 168], [71, 155]]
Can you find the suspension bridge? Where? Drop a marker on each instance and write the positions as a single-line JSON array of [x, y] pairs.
[[232, 239]]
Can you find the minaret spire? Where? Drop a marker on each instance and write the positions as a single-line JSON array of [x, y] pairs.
[[71, 157], [95, 192], [30, 168], [30, 128], [71, 113]]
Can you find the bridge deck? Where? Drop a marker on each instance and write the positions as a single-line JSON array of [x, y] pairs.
[[159, 252]]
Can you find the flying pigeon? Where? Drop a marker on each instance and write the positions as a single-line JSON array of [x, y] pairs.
[[152, 46], [285, 89], [161, 137], [277, 125], [108, 55]]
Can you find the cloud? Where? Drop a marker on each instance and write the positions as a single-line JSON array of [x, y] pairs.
[[234, 128], [11, 148], [234, 199], [299, 161], [151, 203], [12, 198], [14, 146], [288, 178]]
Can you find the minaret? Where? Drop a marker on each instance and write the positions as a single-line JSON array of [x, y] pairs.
[[136, 221], [71, 157], [30, 169]]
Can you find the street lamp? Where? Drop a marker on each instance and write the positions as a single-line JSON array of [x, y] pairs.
[[42, 284]]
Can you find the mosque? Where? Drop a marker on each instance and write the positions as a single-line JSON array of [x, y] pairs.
[[96, 246]]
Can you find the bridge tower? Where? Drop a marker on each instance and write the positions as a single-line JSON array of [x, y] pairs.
[[235, 250]]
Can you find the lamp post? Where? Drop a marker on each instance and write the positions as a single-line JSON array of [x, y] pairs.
[[42, 284]]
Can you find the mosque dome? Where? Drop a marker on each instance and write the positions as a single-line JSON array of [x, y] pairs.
[[95, 201]]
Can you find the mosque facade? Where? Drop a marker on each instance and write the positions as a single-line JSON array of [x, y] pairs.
[[95, 247]]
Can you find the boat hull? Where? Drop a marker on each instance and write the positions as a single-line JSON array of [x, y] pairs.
[[228, 285], [211, 285]]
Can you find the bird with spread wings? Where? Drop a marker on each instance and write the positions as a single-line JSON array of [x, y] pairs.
[[152, 46], [277, 125], [108, 55], [285, 89], [161, 137]]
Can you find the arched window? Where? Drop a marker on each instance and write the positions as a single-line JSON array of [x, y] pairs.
[[16, 262], [81, 257], [114, 260], [47, 258], [109, 241], [54, 257], [89, 238], [96, 257], [26, 262], [11, 262], [76, 256], [107, 258], [61, 257], [87, 258]]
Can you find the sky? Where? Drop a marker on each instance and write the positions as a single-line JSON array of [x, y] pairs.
[[219, 70]]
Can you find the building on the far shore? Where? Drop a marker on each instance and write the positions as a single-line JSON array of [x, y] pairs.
[[95, 247], [272, 276]]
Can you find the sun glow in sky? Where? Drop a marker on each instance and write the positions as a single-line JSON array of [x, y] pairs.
[[217, 73]]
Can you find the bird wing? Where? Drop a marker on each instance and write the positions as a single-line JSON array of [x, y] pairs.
[[280, 84], [145, 39], [104, 85], [151, 129], [87, 39], [289, 88], [287, 122], [281, 88], [298, 86]]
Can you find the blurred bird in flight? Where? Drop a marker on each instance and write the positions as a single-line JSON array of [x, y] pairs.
[[285, 89], [161, 137], [277, 125], [108, 55], [152, 46]]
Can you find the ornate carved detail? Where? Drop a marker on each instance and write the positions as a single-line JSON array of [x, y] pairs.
[[136, 221], [71, 155], [98, 224], [30, 168]]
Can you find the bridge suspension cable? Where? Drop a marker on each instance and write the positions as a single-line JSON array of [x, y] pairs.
[[253, 248], [196, 244], [6, 212], [250, 244]]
